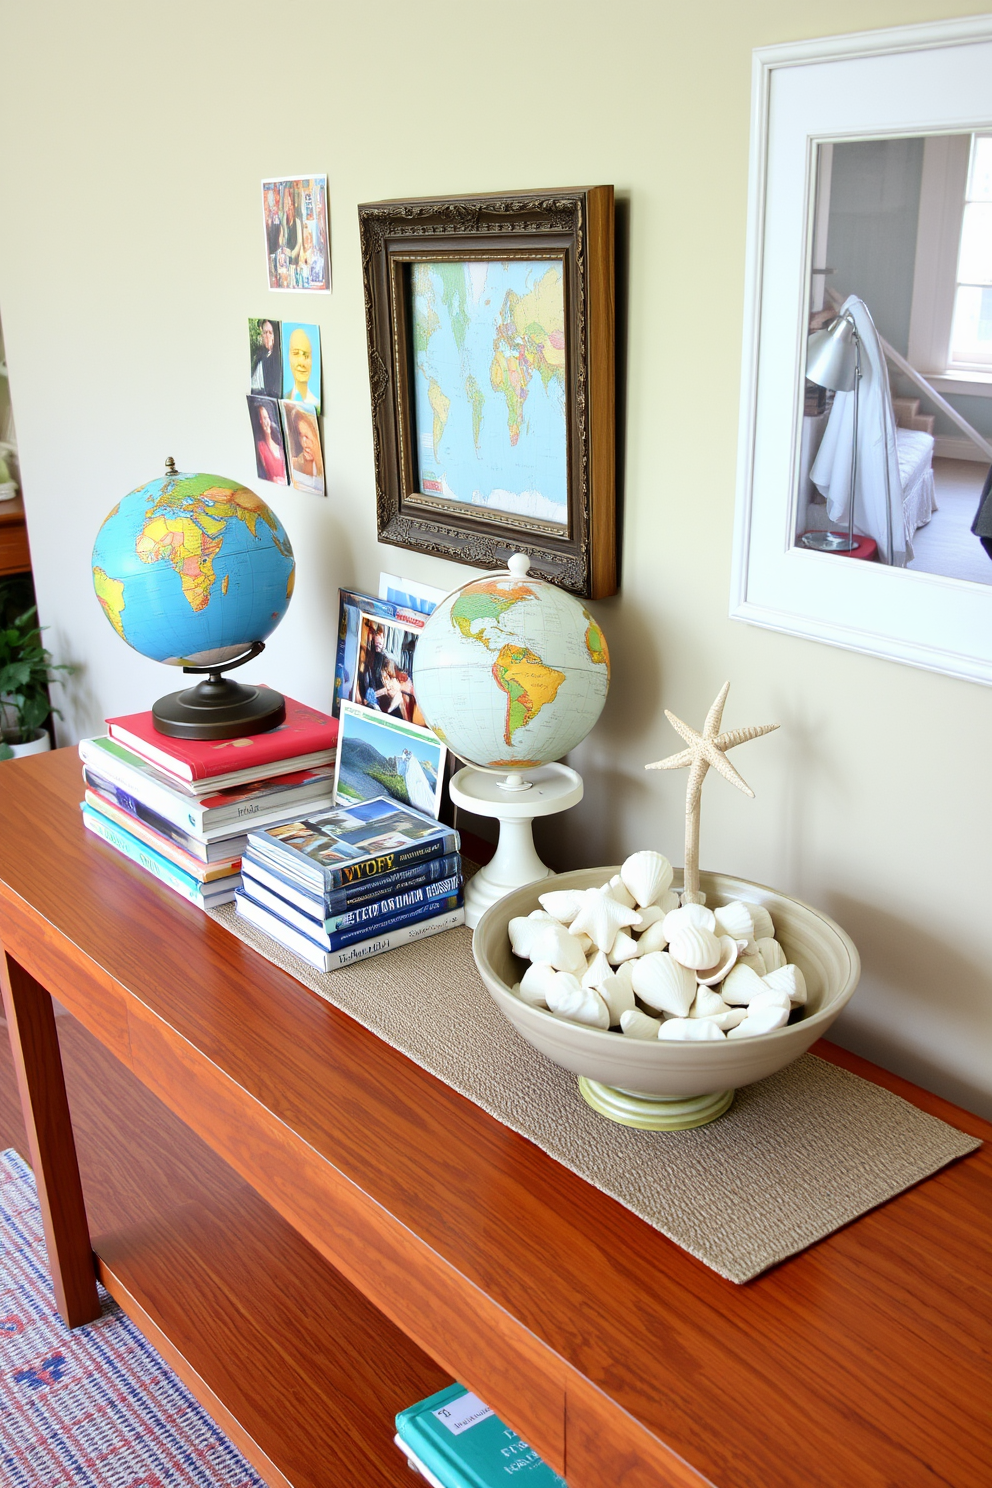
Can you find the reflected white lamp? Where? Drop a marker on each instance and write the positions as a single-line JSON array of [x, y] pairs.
[[833, 360]]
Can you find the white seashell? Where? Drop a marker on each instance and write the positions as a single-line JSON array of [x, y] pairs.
[[596, 971], [789, 979], [653, 939], [646, 875], [585, 941], [577, 1004], [763, 927], [708, 1004], [650, 915], [741, 985], [534, 984], [713, 974], [624, 948], [636, 1024], [766, 1020], [692, 946], [562, 904], [668, 901], [663, 984], [696, 915], [546, 940], [752, 957], [730, 1018], [618, 890], [618, 995], [771, 953], [540, 914], [734, 919], [601, 917], [702, 1030], [770, 997]]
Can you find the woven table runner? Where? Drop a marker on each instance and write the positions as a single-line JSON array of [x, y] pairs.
[[796, 1156]]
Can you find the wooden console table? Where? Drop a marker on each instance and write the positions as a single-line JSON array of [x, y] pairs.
[[370, 1233]]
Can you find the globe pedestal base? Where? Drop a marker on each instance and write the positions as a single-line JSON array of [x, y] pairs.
[[514, 800], [653, 1112], [218, 709]]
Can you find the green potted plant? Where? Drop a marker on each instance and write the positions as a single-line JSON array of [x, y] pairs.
[[26, 670]]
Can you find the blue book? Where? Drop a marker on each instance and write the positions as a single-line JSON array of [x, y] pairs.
[[347, 844], [384, 940], [323, 907], [446, 895], [204, 895], [463, 1444]]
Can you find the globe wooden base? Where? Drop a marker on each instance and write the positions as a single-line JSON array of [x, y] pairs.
[[651, 1112], [218, 709]]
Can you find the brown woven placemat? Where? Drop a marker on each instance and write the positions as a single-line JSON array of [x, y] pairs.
[[796, 1156]]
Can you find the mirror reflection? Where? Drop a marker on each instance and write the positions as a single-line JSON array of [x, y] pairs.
[[898, 391]]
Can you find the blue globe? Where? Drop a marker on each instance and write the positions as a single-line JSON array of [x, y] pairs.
[[191, 569]]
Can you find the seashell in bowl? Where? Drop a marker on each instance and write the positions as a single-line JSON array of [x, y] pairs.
[[646, 875], [713, 974], [664, 984]]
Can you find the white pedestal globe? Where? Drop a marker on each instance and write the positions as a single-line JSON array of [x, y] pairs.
[[511, 672], [514, 800]]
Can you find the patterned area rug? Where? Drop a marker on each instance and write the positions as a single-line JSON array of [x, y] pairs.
[[96, 1407]]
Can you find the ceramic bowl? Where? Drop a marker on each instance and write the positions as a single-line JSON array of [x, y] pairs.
[[658, 1084]]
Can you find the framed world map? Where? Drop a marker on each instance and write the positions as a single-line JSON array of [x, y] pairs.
[[491, 356]]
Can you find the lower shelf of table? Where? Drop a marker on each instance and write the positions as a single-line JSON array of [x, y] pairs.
[[301, 1371]]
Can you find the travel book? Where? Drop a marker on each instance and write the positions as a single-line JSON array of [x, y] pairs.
[[210, 815], [322, 907], [457, 1441], [388, 940], [332, 849], [205, 896], [195, 867], [352, 930], [307, 737]]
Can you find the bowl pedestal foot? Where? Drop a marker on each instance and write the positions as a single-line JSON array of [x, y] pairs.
[[653, 1112]]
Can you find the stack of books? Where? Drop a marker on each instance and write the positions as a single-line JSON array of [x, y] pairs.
[[341, 885], [456, 1441], [181, 808]]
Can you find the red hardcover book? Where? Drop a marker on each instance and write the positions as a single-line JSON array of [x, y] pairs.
[[307, 738]]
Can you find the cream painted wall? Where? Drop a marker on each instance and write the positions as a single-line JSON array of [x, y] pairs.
[[135, 137]]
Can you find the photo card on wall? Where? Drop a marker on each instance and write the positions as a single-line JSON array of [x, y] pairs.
[[265, 352], [306, 463], [301, 363], [376, 643], [266, 430], [379, 755], [297, 245]]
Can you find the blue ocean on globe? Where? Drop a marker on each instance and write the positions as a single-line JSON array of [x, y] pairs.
[[193, 569]]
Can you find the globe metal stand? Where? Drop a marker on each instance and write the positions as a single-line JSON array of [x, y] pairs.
[[219, 708], [514, 800]]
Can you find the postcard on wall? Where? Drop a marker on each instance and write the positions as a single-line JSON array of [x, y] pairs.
[[266, 430], [410, 595], [297, 246], [378, 754], [265, 352], [301, 363], [306, 462], [376, 643]]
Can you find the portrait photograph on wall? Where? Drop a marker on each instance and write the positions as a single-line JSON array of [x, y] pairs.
[[301, 363], [265, 354], [297, 247], [306, 464], [270, 451]]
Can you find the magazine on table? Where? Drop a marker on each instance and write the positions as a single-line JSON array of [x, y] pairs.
[[332, 849]]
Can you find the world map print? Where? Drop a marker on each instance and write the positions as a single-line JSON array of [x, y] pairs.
[[489, 384]]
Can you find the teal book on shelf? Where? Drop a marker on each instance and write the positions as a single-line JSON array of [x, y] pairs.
[[456, 1441]]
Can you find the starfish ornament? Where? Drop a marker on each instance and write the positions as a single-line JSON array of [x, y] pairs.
[[706, 749]]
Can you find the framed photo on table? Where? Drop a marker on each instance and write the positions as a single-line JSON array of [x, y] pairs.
[[490, 328]]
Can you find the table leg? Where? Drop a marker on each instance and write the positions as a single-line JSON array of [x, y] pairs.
[[38, 1061]]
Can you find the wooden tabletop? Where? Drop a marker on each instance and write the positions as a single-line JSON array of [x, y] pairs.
[[622, 1359]]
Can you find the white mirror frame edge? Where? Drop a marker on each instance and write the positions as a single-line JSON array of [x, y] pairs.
[[852, 86]]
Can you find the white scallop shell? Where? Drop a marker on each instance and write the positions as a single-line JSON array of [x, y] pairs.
[[703, 1030], [618, 890], [763, 926], [650, 915], [770, 997], [653, 939], [601, 917], [663, 984], [695, 915], [568, 999], [636, 1024], [646, 875], [540, 914], [596, 971], [534, 984], [546, 940], [668, 901], [585, 941], [753, 958], [766, 1020], [563, 904], [692, 946], [734, 919], [708, 1004], [624, 948], [789, 979], [771, 953], [618, 995], [741, 985], [709, 976]]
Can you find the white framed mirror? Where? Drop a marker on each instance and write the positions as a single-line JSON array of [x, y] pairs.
[[869, 268]]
